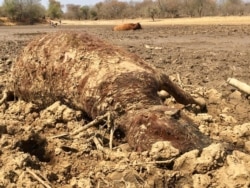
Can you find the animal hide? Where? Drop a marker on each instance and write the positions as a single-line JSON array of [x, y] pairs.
[[127, 26], [96, 77]]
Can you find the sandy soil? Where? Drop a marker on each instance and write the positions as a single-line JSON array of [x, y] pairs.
[[200, 57]]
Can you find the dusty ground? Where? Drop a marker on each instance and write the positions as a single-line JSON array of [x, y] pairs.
[[200, 58]]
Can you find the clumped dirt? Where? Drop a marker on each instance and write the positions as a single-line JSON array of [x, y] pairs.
[[36, 151]]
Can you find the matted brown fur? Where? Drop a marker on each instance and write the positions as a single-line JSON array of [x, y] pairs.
[[96, 77], [127, 26]]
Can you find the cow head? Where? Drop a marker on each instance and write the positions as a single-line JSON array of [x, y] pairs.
[[137, 26], [160, 123]]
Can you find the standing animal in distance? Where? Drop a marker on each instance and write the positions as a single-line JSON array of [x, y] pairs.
[[96, 77], [127, 26]]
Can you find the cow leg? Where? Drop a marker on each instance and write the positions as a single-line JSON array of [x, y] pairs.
[[179, 94]]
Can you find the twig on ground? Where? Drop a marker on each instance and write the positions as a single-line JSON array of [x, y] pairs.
[[154, 162], [38, 178], [112, 130], [97, 120], [60, 135], [179, 80], [109, 122], [110, 125], [98, 144], [5, 96]]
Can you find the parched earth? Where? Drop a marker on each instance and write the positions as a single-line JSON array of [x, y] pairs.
[[36, 151]]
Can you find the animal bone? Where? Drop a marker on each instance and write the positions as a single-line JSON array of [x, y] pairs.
[[239, 85]]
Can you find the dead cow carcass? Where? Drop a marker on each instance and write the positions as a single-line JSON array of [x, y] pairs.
[[96, 77], [127, 26]]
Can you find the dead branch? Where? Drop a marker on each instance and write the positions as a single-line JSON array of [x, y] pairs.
[[60, 135], [97, 120], [239, 85], [112, 129], [98, 144], [179, 79], [38, 178], [5, 96], [154, 162]]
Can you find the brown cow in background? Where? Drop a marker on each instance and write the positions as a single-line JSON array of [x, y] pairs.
[[127, 26]]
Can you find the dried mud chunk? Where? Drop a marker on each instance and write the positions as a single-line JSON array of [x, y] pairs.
[[210, 158], [201, 180], [235, 172], [163, 150], [186, 162], [59, 112]]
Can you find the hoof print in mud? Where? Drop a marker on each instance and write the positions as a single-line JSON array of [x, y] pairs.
[[34, 145]]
